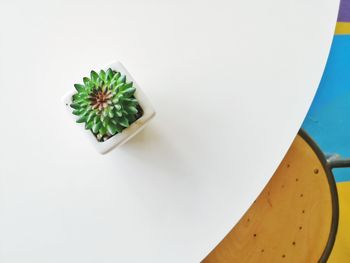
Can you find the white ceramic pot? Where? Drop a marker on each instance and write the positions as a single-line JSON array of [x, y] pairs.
[[127, 133]]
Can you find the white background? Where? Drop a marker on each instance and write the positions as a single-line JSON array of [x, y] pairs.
[[231, 82]]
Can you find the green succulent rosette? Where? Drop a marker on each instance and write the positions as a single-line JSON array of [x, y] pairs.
[[105, 103]]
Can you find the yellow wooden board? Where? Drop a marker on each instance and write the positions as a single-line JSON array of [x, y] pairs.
[[291, 220], [342, 28], [341, 249]]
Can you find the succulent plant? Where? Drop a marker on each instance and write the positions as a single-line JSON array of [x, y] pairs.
[[105, 103]]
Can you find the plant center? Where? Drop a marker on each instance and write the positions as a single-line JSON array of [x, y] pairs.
[[100, 99]]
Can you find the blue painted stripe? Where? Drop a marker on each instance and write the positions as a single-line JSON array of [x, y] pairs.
[[341, 175], [328, 120]]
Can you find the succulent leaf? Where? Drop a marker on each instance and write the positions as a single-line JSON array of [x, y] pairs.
[[115, 78], [109, 74], [93, 76], [102, 131], [90, 116], [86, 81], [128, 92], [96, 127], [75, 106], [79, 87], [112, 129], [123, 121], [132, 110], [77, 111], [88, 125], [126, 86], [102, 75], [121, 79], [81, 119]]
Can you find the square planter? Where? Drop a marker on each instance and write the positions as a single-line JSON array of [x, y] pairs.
[[127, 133]]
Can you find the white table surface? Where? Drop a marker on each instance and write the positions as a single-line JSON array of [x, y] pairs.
[[231, 82]]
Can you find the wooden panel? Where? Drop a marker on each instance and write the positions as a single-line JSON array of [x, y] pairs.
[[341, 249], [342, 28], [291, 219]]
